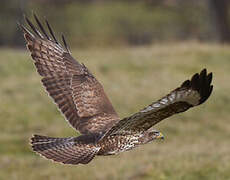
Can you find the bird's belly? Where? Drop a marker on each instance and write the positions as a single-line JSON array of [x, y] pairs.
[[116, 144]]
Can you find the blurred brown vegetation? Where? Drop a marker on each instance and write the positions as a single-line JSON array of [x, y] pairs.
[[129, 22]]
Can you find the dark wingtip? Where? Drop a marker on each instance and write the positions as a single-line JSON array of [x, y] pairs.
[[195, 81], [204, 71], [33, 27], [65, 44], [202, 83], [40, 26], [209, 78], [41, 32], [51, 31], [186, 83], [27, 34], [203, 74], [34, 138]]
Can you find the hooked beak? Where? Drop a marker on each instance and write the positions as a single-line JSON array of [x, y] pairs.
[[160, 136]]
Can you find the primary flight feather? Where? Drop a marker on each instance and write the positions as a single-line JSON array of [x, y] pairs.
[[83, 102]]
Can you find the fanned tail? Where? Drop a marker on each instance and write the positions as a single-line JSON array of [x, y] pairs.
[[64, 150]]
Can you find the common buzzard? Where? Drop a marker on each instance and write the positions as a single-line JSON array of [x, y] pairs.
[[83, 102]]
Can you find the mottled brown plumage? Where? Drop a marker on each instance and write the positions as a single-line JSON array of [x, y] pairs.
[[77, 93], [82, 100]]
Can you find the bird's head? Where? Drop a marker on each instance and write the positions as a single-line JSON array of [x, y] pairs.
[[151, 135]]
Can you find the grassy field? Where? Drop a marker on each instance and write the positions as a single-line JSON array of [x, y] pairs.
[[196, 144]]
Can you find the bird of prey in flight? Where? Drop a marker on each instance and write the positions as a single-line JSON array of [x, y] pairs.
[[83, 102]]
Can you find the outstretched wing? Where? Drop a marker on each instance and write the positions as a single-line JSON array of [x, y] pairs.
[[77, 93], [191, 93]]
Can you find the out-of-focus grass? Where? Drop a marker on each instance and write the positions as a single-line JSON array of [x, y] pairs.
[[197, 142]]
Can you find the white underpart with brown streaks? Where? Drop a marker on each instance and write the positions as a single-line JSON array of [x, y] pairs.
[[126, 143]]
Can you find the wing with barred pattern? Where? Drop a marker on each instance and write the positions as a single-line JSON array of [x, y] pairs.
[[191, 93], [79, 150], [77, 93]]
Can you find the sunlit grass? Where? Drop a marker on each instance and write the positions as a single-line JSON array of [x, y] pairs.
[[197, 142]]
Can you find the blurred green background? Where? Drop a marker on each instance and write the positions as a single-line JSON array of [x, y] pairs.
[[121, 22], [139, 51]]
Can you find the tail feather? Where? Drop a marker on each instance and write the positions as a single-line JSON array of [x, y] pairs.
[[65, 150], [39, 138]]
